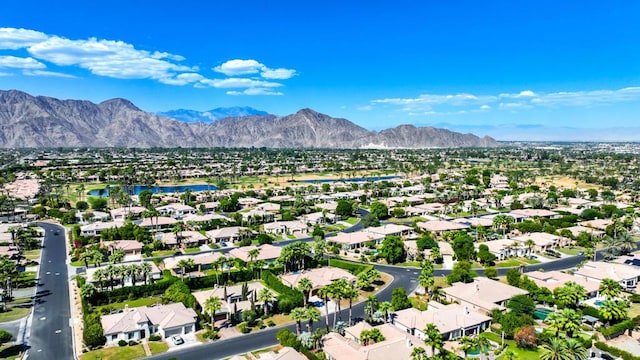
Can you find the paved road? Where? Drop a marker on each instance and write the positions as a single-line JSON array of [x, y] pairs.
[[219, 349], [50, 336]]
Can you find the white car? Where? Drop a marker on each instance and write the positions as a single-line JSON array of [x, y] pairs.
[[177, 339]]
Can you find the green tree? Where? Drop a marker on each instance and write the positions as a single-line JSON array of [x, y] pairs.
[[514, 277], [305, 285], [297, 315], [5, 336], [379, 210], [463, 246], [211, 305], [522, 305], [433, 338], [461, 272], [555, 349], [610, 288], [392, 249], [426, 241], [399, 299], [614, 310], [344, 208]]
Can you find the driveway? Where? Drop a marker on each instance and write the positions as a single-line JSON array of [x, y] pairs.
[[189, 340]]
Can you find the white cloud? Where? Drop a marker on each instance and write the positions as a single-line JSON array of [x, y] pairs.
[[47, 73], [5, 74], [365, 108], [121, 60], [231, 83], [255, 91], [280, 74], [110, 58], [20, 63], [429, 104], [13, 39], [240, 67]]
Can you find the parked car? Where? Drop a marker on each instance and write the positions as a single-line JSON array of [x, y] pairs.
[[177, 339]]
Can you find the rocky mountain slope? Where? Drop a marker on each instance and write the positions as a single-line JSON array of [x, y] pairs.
[[28, 121]]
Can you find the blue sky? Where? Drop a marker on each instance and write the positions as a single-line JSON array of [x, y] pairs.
[[509, 69]]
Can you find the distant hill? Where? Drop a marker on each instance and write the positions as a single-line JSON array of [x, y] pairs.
[[194, 116], [29, 121]]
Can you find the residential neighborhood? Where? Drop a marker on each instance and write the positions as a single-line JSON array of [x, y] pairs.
[[432, 264]]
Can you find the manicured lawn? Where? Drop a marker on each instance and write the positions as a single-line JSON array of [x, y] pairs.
[[115, 353], [14, 313], [352, 220], [569, 251], [634, 310], [158, 347], [405, 219], [26, 279], [191, 250], [521, 354], [508, 263], [33, 255], [163, 252], [11, 352]]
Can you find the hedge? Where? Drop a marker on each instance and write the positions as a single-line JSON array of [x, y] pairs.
[[591, 311], [209, 281], [352, 267], [138, 291], [617, 329], [288, 298], [616, 352]]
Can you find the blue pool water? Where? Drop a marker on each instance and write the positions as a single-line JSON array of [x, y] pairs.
[[358, 179], [137, 189], [598, 303]]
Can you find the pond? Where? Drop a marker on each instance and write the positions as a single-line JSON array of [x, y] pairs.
[[137, 189], [358, 179]]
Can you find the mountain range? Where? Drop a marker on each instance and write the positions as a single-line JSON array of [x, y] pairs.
[[37, 121], [194, 116]]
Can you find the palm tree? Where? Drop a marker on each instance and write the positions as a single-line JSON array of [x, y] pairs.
[[350, 294], [211, 305], [305, 285], [468, 343], [503, 222], [145, 270], [419, 353], [530, 244], [609, 288], [111, 272], [614, 310], [371, 306], [437, 294], [386, 309], [572, 321], [265, 297], [86, 257], [87, 291], [325, 294], [570, 294], [433, 338], [312, 315], [575, 349], [425, 281], [185, 265], [625, 243], [100, 276], [554, 350], [297, 315]]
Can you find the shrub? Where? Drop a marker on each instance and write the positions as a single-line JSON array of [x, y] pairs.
[[617, 329], [526, 337], [155, 338], [288, 298], [287, 338], [635, 298], [210, 334], [270, 323], [122, 343], [244, 328], [615, 351], [133, 343]]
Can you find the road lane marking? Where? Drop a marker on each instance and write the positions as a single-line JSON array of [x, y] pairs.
[[59, 273], [48, 272], [58, 331], [43, 318]]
